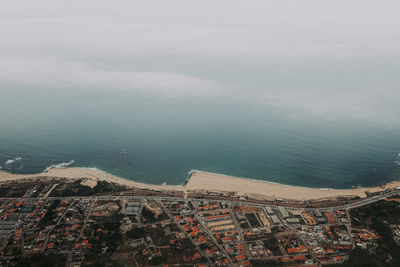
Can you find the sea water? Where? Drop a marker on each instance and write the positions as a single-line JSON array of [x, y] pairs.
[[155, 137]]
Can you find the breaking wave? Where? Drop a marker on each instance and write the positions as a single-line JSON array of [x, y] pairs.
[[397, 162], [60, 165], [11, 161]]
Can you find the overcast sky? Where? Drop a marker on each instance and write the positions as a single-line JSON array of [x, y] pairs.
[[321, 58]]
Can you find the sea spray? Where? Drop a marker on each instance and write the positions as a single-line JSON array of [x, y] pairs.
[[59, 166]]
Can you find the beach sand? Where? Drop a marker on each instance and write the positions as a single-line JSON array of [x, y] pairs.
[[88, 173], [212, 182], [203, 181]]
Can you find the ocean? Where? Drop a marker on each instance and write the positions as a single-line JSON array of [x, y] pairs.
[[282, 91], [158, 138]]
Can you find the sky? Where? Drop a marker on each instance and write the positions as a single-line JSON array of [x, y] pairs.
[[329, 60]]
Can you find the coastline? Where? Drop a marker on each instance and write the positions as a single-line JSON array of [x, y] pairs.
[[209, 182], [87, 173]]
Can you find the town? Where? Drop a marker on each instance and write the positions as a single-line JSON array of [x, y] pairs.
[[64, 222]]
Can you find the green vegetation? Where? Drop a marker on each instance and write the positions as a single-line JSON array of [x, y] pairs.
[[40, 260], [50, 214], [148, 215], [77, 189], [378, 217], [360, 258], [272, 244], [136, 233]]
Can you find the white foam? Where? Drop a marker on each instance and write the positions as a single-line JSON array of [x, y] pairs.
[[11, 161], [59, 166]]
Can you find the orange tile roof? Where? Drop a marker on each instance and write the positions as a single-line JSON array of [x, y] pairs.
[[293, 250], [241, 257], [216, 217]]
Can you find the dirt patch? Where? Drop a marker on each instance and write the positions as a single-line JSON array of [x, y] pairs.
[[89, 182]]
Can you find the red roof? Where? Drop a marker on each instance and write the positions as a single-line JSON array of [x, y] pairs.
[[299, 258], [216, 217], [241, 257], [293, 250]]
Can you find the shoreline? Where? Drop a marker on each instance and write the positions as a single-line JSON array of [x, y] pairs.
[[280, 184], [86, 173], [243, 186], [201, 181], [6, 172]]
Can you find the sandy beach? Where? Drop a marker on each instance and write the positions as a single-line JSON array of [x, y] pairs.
[[88, 173], [213, 182], [204, 181]]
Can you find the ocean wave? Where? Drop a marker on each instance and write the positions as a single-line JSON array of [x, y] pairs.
[[59, 166], [11, 161]]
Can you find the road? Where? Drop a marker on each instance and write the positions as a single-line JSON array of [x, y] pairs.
[[361, 202], [202, 253]]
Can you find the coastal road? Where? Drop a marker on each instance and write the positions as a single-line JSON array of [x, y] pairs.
[[362, 202]]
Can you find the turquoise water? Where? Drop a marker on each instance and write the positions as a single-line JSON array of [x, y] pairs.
[[156, 139]]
